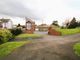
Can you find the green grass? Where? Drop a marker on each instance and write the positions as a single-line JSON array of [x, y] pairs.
[[8, 47], [29, 36], [68, 31], [77, 48]]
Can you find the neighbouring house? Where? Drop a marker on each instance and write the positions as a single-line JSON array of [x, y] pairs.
[[43, 27], [29, 26], [6, 23]]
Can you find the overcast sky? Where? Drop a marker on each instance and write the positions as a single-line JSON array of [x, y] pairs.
[[48, 10]]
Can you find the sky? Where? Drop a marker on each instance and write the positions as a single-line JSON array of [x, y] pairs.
[[38, 10]]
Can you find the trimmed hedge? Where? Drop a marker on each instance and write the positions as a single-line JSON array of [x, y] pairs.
[[5, 35]]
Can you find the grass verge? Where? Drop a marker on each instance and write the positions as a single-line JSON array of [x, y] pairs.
[[76, 48], [68, 31], [8, 47], [28, 36]]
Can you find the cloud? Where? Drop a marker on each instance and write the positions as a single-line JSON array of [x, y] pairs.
[[15, 8], [74, 4], [36, 9], [40, 9]]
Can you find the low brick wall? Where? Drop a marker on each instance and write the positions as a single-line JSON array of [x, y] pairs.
[[53, 32]]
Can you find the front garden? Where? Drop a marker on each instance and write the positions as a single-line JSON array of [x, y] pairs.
[[8, 43]]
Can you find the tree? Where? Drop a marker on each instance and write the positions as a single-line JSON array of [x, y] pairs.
[[55, 23], [78, 24], [18, 25], [73, 23]]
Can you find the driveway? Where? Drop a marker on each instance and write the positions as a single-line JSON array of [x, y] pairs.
[[47, 48], [41, 32]]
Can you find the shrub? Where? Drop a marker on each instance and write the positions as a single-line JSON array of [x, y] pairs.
[[5, 35], [16, 31]]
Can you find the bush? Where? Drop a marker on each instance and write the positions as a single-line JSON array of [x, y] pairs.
[[16, 31], [77, 49], [5, 35]]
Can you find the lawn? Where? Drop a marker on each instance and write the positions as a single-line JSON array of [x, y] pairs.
[[77, 49], [8, 47], [68, 31], [28, 36]]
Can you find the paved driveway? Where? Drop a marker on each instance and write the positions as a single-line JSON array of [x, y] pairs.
[[47, 48], [41, 32]]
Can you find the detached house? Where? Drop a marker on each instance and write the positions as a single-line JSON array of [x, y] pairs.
[[6, 23]]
